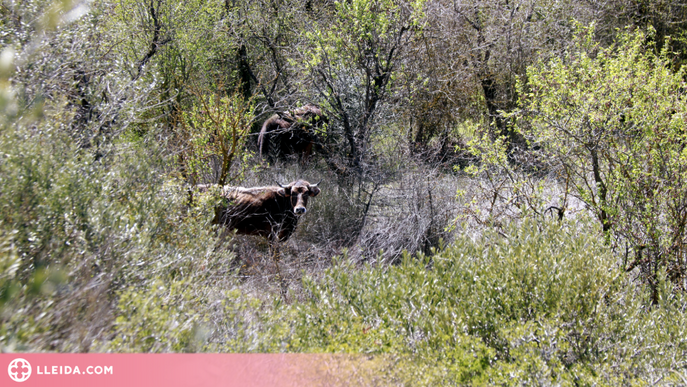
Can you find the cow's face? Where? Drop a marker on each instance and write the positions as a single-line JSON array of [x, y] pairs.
[[299, 192]]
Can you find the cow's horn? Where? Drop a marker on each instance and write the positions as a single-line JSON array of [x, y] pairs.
[[282, 186], [315, 185]]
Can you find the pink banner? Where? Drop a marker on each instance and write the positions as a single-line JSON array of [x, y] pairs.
[[170, 370]]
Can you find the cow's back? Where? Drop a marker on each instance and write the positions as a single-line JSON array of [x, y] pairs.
[[263, 211]]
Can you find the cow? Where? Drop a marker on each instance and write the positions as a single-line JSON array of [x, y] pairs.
[[291, 133], [270, 212]]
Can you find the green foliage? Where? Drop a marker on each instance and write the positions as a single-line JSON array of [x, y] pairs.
[[19, 284], [546, 305], [100, 250], [355, 57], [188, 36], [159, 319], [79, 220], [215, 130], [468, 307], [77, 226], [7, 102], [614, 120], [192, 315], [358, 25], [510, 185], [9, 264], [176, 49]]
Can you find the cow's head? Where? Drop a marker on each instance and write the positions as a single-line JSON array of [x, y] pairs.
[[299, 192]]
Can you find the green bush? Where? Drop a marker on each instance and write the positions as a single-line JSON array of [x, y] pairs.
[[539, 306], [611, 121], [214, 132], [82, 228], [9, 264]]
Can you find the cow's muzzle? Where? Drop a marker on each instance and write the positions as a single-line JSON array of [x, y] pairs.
[[299, 210]]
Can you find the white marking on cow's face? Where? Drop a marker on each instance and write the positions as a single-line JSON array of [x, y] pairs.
[[299, 199], [299, 192]]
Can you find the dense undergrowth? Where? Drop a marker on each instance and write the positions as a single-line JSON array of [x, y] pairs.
[[491, 214], [77, 230], [119, 262], [546, 305]]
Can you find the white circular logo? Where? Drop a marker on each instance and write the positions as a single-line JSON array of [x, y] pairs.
[[19, 370]]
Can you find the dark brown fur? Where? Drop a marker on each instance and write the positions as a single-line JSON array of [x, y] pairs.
[[291, 133], [270, 212]]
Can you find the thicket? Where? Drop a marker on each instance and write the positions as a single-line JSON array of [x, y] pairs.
[[549, 305], [466, 149], [614, 120], [606, 123]]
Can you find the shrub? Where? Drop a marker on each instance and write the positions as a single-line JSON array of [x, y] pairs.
[[213, 136], [533, 307], [612, 121], [82, 229]]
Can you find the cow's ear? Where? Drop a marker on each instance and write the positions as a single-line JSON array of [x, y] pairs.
[[314, 191]]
